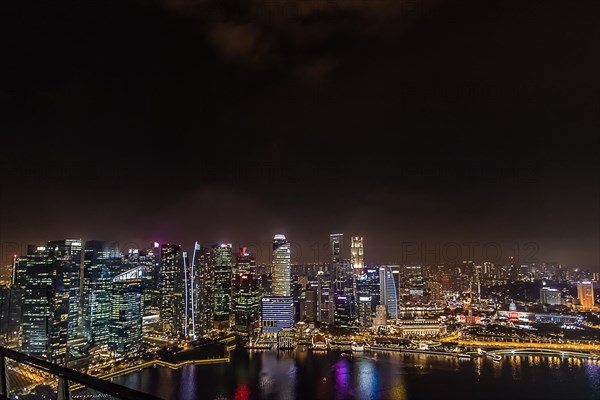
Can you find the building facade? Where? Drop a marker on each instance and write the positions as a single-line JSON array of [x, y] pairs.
[[357, 252], [125, 328], [171, 287], [246, 302], [45, 306], [281, 266], [102, 261], [277, 313]]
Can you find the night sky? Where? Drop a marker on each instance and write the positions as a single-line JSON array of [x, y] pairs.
[[412, 121]]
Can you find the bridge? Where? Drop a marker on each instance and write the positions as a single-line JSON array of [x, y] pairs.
[[27, 378], [545, 352]]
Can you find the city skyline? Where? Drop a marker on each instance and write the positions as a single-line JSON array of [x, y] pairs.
[[313, 251], [299, 199]]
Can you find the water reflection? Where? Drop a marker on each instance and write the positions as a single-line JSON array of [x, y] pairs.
[[307, 375], [368, 379]]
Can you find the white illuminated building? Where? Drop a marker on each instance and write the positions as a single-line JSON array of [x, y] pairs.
[[281, 266]]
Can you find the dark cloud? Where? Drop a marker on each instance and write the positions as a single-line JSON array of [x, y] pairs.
[[192, 120]]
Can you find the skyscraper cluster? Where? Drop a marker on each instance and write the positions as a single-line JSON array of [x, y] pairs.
[[66, 296]]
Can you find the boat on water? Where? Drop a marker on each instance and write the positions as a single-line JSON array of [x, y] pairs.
[[258, 345], [494, 356], [358, 347]]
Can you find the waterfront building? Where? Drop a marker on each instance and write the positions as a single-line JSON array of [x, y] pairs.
[[414, 328], [277, 312], [172, 290], [102, 261], [125, 329], [286, 339], [281, 266]]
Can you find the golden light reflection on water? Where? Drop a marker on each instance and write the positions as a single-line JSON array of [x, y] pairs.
[[399, 393]]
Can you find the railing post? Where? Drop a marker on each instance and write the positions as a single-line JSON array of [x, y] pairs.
[[3, 382], [64, 393]]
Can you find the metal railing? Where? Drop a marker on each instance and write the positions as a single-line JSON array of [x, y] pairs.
[[26, 377]]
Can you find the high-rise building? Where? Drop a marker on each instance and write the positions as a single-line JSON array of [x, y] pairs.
[[336, 242], [585, 294], [101, 262], [223, 287], [357, 252], [172, 288], [125, 328], [46, 304], [10, 314], [550, 296], [388, 291], [342, 310], [281, 266], [309, 305], [149, 260], [277, 313], [367, 284], [325, 303], [435, 291], [68, 253], [203, 289], [246, 302], [365, 315]]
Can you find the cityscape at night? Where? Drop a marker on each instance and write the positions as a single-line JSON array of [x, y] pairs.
[[111, 312], [299, 199]]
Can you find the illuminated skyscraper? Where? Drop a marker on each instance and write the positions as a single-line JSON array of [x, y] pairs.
[[46, 304], [223, 289], [365, 316], [125, 328], [342, 310], [203, 289], [281, 266], [102, 261], [336, 242], [367, 286], [148, 259], [585, 294], [68, 253], [246, 302], [357, 253], [171, 287], [325, 302], [388, 291]]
